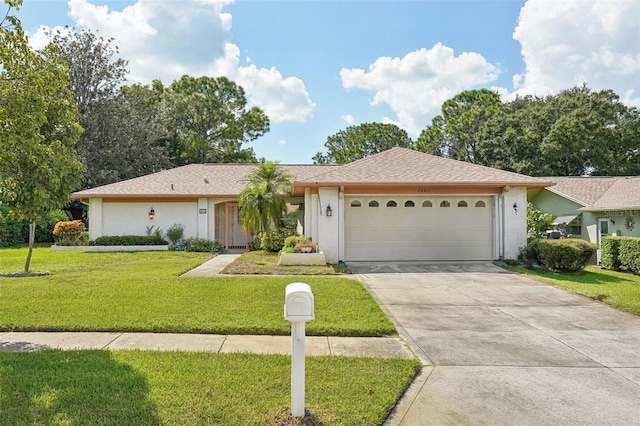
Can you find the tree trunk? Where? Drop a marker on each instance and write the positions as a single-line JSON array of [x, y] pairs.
[[32, 237]]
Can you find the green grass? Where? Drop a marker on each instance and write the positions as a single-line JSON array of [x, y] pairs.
[[151, 388], [143, 292], [263, 262], [615, 288]]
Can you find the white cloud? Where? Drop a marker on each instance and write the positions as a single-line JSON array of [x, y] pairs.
[[570, 42], [282, 142], [416, 85], [283, 99], [348, 118], [165, 40]]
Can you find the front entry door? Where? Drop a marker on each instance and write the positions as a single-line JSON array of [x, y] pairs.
[[603, 229], [229, 227]]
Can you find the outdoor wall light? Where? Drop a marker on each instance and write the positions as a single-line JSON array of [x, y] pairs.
[[515, 207], [329, 210], [152, 213], [613, 222]]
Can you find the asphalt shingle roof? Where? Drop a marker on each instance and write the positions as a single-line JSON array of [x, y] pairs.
[[192, 180], [402, 165], [395, 166], [600, 193]]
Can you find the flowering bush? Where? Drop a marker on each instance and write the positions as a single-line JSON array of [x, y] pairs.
[[69, 233]]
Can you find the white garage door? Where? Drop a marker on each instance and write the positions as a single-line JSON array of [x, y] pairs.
[[419, 228]]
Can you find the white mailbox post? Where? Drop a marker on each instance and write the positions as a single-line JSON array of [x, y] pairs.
[[298, 308]]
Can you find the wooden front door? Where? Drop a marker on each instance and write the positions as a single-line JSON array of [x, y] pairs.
[[229, 227]]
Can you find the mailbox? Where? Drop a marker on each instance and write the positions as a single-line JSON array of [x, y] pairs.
[[298, 303]]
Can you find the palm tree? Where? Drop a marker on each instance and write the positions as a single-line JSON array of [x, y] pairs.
[[260, 201]]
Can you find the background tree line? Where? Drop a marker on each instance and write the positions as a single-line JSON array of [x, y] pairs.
[[133, 130], [573, 133]]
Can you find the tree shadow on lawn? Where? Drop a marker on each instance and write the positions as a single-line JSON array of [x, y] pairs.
[[72, 387]]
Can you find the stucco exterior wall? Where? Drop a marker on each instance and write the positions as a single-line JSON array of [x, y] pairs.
[[107, 218], [549, 202], [328, 236], [515, 222]]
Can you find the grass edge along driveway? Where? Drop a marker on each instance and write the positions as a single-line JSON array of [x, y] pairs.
[[618, 289]]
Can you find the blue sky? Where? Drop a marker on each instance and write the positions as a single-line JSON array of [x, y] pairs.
[[317, 67]]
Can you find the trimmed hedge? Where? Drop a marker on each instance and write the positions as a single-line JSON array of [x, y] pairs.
[[199, 245], [610, 253], [130, 240], [565, 255], [621, 254]]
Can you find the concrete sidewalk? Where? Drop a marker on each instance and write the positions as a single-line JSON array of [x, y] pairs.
[[212, 266], [315, 345]]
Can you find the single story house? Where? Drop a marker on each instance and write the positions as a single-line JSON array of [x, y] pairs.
[[399, 204], [593, 206]]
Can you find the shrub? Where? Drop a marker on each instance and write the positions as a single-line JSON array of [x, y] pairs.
[[68, 233], [629, 254], [10, 229], [257, 242], [153, 231], [529, 254], [130, 240], [199, 245], [566, 255], [305, 244], [14, 232], [273, 239], [610, 254], [537, 222], [293, 240], [175, 233]]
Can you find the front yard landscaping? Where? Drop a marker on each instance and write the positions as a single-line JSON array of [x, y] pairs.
[[264, 262], [614, 288], [144, 292]]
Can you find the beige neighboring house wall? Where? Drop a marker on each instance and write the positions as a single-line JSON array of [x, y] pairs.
[[428, 207]]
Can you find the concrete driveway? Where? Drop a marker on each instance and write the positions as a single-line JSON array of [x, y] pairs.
[[505, 349]]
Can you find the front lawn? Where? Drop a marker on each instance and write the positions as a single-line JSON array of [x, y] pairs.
[[615, 288], [151, 388], [143, 292], [264, 262]]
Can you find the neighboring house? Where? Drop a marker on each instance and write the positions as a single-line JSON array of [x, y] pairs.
[[396, 205], [592, 207]]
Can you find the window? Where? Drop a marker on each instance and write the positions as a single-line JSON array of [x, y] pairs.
[[409, 204], [392, 204], [427, 204], [373, 203], [445, 203], [480, 204], [462, 204], [356, 203]]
